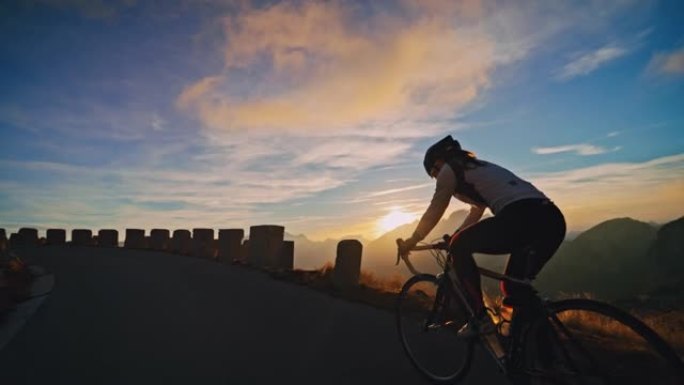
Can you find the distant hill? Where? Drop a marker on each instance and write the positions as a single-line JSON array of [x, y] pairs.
[[617, 259], [310, 255], [667, 252], [667, 256]]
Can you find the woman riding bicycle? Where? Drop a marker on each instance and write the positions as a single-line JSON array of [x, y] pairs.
[[525, 224]]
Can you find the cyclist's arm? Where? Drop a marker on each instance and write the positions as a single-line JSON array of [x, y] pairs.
[[446, 184], [473, 217]]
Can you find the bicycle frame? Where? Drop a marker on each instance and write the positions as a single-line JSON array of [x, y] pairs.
[[536, 319], [455, 289]]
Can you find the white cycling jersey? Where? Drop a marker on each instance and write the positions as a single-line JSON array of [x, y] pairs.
[[498, 186]]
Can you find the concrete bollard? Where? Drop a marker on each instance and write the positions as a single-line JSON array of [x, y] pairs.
[[203, 243], [81, 237], [159, 239], [265, 243], [230, 244], [108, 238], [286, 257], [347, 264], [135, 239], [3, 240], [29, 236], [181, 242], [15, 240], [55, 236], [244, 251]]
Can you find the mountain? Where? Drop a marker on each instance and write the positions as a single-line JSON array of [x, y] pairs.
[[667, 255], [609, 260], [310, 255]]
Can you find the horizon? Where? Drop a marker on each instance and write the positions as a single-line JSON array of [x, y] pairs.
[[571, 234], [315, 115]]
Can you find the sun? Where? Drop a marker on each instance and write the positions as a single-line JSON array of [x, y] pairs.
[[393, 219]]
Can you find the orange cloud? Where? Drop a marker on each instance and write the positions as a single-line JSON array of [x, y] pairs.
[[314, 65]]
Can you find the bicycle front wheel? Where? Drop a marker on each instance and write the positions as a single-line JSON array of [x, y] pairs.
[[428, 318], [595, 343]]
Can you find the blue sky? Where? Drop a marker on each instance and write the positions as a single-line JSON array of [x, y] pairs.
[[315, 115]]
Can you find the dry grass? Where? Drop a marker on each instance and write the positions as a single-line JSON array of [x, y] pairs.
[[668, 324], [392, 284], [381, 292]]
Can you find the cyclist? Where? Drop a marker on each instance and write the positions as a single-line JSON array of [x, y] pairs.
[[525, 223]]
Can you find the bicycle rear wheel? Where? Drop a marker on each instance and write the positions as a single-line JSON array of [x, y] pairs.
[[589, 342], [428, 317]]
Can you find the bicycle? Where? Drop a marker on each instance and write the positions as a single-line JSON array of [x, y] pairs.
[[571, 341]]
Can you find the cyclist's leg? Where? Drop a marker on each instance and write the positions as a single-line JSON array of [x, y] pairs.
[[492, 236], [541, 231], [545, 231]]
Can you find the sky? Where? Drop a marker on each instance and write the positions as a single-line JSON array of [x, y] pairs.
[[315, 115]]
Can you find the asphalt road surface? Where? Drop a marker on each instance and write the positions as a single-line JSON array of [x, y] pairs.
[[119, 316]]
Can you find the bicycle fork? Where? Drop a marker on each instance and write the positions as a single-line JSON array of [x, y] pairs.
[[489, 340]]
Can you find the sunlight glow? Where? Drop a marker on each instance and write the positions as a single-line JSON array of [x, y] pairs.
[[395, 218]]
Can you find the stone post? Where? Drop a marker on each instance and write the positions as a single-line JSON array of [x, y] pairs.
[[181, 242], [159, 239], [265, 243], [230, 244], [203, 243], [244, 251], [108, 238], [15, 240], [347, 264], [3, 240], [55, 236], [135, 239], [81, 237], [286, 257], [29, 236]]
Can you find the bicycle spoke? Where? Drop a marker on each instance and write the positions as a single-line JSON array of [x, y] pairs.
[[427, 323], [595, 343]]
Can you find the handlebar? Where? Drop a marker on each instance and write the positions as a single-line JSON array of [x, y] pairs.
[[444, 245]]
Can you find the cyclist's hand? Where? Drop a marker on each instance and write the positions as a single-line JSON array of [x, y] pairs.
[[405, 246]]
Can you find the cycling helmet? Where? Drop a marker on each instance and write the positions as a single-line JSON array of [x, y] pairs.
[[440, 150]]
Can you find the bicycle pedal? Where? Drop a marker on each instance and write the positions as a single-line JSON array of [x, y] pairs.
[[434, 326]]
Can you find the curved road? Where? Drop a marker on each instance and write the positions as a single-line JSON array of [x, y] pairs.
[[119, 316]]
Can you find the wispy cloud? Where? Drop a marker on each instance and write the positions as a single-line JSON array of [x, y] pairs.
[[588, 62], [667, 63], [323, 69], [400, 189], [583, 149], [649, 190]]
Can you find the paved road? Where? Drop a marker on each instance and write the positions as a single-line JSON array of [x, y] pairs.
[[134, 317]]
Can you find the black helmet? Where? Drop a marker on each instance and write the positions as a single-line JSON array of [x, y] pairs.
[[440, 150]]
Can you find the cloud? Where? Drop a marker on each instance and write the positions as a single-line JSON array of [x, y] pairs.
[[401, 189], [671, 63], [589, 62], [583, 149], [649, 190], [321, 66]]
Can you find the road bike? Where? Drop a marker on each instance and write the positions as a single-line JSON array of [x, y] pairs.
[[535, 340]]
